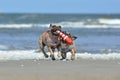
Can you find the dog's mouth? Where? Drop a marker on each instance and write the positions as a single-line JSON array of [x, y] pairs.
[[54, 31]]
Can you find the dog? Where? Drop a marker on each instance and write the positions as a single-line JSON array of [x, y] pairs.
[[50, 39], [65, 47]]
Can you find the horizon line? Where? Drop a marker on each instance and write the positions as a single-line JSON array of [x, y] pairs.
[[49, 13]]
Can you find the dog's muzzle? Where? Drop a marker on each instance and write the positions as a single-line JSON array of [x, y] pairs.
[[53, 31]]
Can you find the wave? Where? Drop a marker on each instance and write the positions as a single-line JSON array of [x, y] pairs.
[[33, 54], [89, 23], [110, 21], [63, 24], [22, 25]]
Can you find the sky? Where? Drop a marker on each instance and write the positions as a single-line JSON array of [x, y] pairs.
[[59, 6]]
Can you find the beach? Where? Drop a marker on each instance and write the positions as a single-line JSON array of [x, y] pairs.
[[97, 43], [80, 69]]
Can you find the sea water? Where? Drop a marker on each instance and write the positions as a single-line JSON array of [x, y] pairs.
[[98, 35]]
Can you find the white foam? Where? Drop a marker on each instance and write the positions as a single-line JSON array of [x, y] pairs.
[[22, 25], [72, 24], [15, 25], [99, 23], [99, 56], [91, 24], [32, 54], [19, 54], [101, 26], [110, 21]]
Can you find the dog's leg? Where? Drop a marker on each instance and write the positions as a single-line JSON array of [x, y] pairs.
[[73, 54], [51, 53], [74, 46], [59, 51], [53, 49], [59, 54], [63, 56], [73, 51], [42, 47]]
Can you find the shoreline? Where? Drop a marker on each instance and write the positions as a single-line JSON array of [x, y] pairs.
[[82, 69]]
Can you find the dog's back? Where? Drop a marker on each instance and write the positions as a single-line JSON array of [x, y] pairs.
[[49, 39]]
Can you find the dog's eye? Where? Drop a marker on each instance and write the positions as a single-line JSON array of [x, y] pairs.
[[53, 26], [59, 26]]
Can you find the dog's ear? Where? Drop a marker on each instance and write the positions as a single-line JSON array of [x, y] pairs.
[[50, 24], [74, 37], [60, 27]]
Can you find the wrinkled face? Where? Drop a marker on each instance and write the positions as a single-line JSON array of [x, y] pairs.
[[71, 36], [54, 28]]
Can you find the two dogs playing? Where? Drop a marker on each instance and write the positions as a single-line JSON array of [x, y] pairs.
[[52, 40]]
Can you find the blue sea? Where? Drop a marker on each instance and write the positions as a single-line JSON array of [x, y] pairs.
[[98, 35]]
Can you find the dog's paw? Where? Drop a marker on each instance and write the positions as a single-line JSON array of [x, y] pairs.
[[46, 56], [52, 57]]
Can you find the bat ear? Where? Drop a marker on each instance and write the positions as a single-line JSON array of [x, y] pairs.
[[60, 27], [50, 25]]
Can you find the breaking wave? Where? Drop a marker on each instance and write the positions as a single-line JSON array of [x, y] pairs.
[[110, 21], [33, 54], [89, 23], [22, 25]]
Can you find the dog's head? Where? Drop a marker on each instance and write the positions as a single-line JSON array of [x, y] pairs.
[[55, 27], [70, 35]]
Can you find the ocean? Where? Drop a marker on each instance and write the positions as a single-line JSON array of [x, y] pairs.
[[98, 35]]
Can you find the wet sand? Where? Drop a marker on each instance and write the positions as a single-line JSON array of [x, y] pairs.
[[60, 70]]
